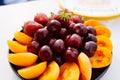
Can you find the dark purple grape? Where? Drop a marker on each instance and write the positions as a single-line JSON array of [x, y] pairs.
[[91, 30], [67, 38], [58, 46], [33, 47], [51, 42], [90, 37], [45, 53], [41, 35], [70, 28], [71, 54], [80, 29], [90, 48], [54, 26], [74, 40], [59, 60], [63, 33], [77, 19]]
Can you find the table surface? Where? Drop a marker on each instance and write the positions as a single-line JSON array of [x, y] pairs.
[[12, 17]]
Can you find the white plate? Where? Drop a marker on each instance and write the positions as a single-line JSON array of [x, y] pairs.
[[93, 8]]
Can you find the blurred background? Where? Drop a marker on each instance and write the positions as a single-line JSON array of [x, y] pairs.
[[6, 2]]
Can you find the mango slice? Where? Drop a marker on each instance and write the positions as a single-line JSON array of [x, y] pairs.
[[22, 59], [69, 71], [85, 66], [16, 47], [33, 71], [51, 72], [22, 37]]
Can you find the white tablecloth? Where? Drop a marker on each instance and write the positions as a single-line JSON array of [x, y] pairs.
[[12, 17]]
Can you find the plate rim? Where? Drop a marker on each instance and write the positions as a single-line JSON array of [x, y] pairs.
[[104, 17]]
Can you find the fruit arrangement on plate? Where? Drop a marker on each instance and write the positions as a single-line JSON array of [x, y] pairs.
[[60, 47]]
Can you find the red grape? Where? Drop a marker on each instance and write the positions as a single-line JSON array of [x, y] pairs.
[[54, 26], [33, 47], [58, 46], [90, 48], [51, 42], [62, 33], [71, 27], [71, 54], [80, 29], [74, 40], [91, 30], [41, 35], [59, 59], [45, 53], [90, 37]]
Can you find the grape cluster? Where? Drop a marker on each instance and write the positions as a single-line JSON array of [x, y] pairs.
[[60, 37]]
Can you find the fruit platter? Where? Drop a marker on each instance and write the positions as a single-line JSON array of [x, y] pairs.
[[62, 46]]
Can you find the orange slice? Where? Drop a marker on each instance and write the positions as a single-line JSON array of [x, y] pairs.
[[16, 47], [33, 71], [22, 59], [22, 37]]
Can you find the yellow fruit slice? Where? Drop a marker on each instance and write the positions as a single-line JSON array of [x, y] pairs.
[[104, 41], [101, 58], [22, 37], [85, 66], [51, 72], [16, 47], [33, 71], [102, 30], [92, 22], [69, 71], [22, 59]]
